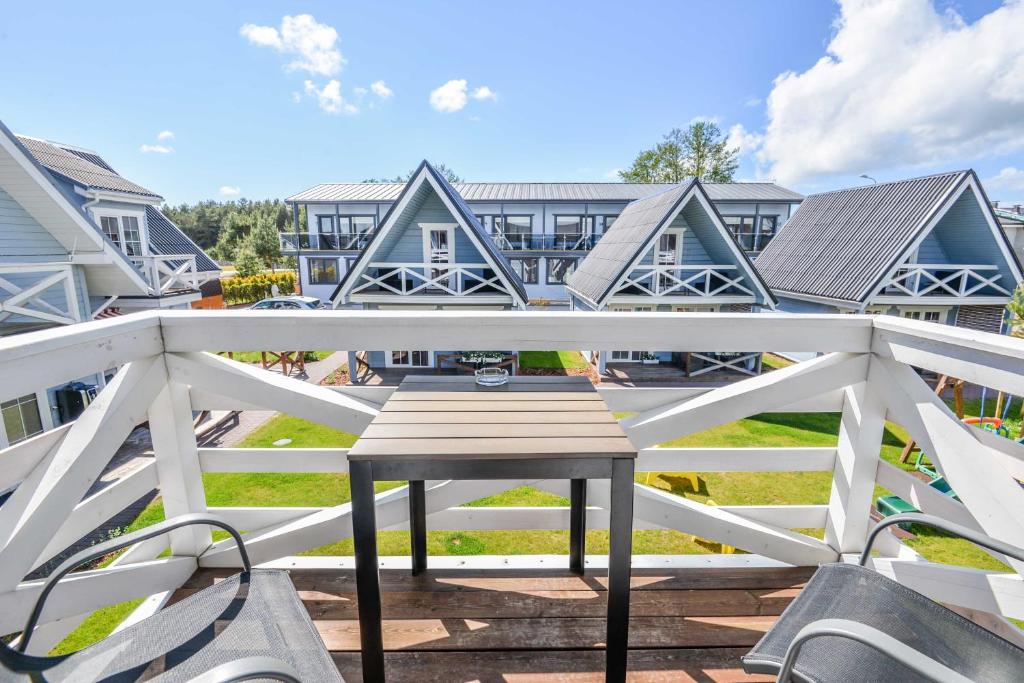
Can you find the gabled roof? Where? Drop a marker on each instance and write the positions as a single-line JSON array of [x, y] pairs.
[[167, 238], [53, 207], [425, 173], [82, 167], [633, 235], [840, 245], [540, 192]]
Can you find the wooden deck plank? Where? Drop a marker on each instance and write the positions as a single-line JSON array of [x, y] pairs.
[[337, 581], [492, 448], [696, 665], [394, 406], [495, 417], [566, 633], [488, 431], [497, 395]]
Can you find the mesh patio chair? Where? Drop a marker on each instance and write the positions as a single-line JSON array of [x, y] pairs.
[[247, 627], [850, 623]]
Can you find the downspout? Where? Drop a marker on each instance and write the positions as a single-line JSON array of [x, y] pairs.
[[298, 238]]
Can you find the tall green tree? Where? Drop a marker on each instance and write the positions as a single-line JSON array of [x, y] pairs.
[[1016, 309], [247, 261], [264, 241], [699, 151]]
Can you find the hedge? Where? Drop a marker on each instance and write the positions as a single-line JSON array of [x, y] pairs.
[[242, 290]]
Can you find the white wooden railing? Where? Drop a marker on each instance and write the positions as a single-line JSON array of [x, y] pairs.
[[866, 374], [678, 280], [945, 280], [168, 272], [406, 279], [25, 288]]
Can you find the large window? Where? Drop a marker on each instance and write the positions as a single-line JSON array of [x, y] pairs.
[[353, 225], [132, 236], [509, 232], [559, 269], [110, 229], [325, 224], [752, 236], [607, 221], [527, 269], [323, 271], [124, 232], [742, 228], [574, 225], [21, 418], [410, 359]]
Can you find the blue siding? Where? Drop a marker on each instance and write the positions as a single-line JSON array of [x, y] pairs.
[[404, 243], [798, 306], [931, 250], [966, 237], [24, 240]]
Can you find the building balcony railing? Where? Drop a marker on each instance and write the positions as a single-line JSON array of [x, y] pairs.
[[304, 241], [679, 280], [868, 373], [426, 279], [535, 242], [945, 280], [168, 273]]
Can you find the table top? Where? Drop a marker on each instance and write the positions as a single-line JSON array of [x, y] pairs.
[[453, 418]]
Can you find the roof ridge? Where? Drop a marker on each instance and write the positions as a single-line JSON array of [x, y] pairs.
[[890, 182]]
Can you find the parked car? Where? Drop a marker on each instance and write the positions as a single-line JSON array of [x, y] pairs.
[[287, 303]]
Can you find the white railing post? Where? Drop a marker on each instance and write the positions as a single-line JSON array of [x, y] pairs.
[[177, 464], [853, 481]]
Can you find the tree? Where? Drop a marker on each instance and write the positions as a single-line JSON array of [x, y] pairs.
[[247, 261], [700, 151], [264, 240], [1016, 309], [449, 175]]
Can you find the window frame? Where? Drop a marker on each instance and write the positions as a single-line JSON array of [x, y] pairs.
[[19, 404], [389, 358], [337, 270], [548, 268], [104, 213], [535, 280]]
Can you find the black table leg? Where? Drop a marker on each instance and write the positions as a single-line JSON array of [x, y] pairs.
[[418, 526], [364, 533], [619, 554], [577, 524]]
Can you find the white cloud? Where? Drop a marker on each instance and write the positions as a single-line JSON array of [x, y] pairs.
[[484, 93], [155, 149], [381, 90], [329, 97], [449, 97], [752, 102], [359, 91], [902, 84], [1009, 178], [312, 44], [165, 135], [230, 191], [296, 97], [742, 140]]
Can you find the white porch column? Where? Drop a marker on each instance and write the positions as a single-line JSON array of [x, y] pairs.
[[853, 481], [177, 465]]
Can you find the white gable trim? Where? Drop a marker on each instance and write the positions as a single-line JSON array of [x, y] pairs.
[[93, 239], [740, 259], [396, 212], [943, 208]]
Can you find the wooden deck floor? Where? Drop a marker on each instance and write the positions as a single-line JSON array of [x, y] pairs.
[[532, 625]]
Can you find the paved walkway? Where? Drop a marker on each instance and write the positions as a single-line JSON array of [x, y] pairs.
[[137, 450]]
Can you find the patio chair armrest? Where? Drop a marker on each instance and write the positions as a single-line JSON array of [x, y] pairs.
[[97, 551], [873, 638], [966, 533], [250, 669]]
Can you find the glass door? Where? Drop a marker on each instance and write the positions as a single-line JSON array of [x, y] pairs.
[[439, 246]]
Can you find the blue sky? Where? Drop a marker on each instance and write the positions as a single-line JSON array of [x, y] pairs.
[[573, 90]]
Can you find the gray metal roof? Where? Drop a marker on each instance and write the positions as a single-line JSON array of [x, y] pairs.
[[839, 244], [167, 238], [539, 192], [77, 167], [630, 235], [468, 217]]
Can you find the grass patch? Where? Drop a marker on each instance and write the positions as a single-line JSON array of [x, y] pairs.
[[303, 434], [96, 627], [559, 360], [774, 362]]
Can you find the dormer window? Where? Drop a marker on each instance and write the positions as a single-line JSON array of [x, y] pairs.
[[123, 231]]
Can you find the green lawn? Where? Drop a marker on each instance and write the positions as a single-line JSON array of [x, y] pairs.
[[255, 357], [559, 360], [732, 488]]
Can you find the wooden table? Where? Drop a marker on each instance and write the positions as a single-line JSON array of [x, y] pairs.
[[533, 428]]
